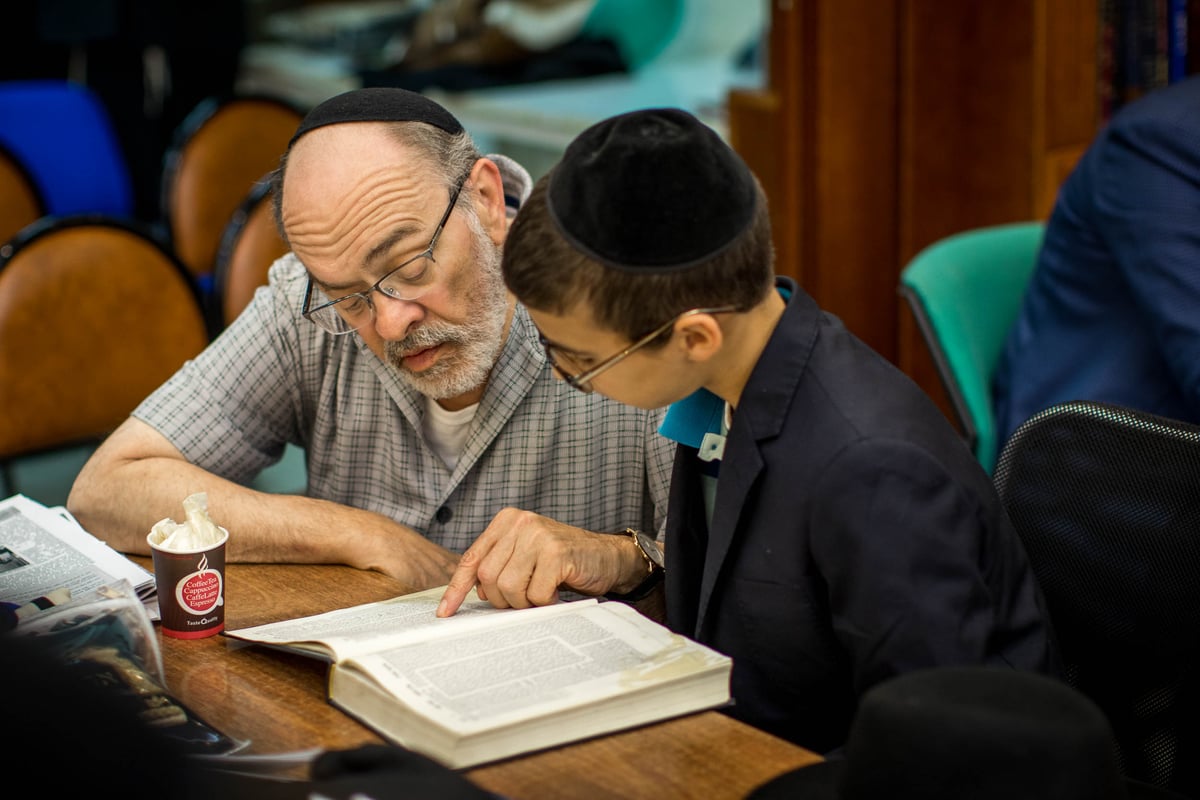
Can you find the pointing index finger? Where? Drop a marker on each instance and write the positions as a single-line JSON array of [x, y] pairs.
[[461, 583]]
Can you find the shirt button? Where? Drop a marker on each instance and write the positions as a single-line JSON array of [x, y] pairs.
[[444, 514]]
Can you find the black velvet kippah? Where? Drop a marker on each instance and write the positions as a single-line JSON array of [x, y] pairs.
[[377, 104], [654, 190]]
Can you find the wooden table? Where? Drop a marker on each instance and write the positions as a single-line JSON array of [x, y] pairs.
[[277, 701]]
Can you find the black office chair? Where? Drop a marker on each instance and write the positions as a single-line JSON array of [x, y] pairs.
[[1107, 502]]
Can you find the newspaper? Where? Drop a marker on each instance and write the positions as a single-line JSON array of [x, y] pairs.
[[43, 550], [104, 638]]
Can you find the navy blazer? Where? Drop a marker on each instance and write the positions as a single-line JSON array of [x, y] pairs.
[[1112, 311], [854, 537]]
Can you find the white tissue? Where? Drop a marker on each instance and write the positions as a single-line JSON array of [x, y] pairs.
[[198, 533]]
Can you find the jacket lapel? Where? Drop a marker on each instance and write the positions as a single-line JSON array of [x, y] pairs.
[[767, 396]]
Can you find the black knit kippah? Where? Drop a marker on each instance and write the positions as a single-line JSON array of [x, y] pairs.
[[377, 104], [654, 190]]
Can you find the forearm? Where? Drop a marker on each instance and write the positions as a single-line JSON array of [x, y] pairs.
[[120, 501], [137, 478]]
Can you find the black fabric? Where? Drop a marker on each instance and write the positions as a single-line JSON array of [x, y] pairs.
[[1105, 501], [377, 104], [56, 716], [654, 190], [970, 733], [580, 58], [368, 772], [387, 771], [92, 743]]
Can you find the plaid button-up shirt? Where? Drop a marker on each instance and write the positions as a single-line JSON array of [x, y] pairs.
[[535, 443]]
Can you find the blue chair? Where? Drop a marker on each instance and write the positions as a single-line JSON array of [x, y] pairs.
[[65, 138]]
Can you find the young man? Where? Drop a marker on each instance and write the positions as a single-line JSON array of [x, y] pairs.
[[828, 528], [386, 345]]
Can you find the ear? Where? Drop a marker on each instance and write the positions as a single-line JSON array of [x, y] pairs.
[[700, 336], [489, 198]]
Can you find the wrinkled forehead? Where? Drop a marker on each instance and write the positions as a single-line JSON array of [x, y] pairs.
[[337, 160], [349, 148], [354, 195]]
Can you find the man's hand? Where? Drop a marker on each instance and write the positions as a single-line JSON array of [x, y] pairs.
[[411, 558], [522, 559]]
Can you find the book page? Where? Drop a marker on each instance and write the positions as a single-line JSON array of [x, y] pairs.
[[526, 665], [43, 549], [346, 631]]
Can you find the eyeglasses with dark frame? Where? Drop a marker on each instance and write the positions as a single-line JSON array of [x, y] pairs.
[[355, 311], [582, 380]]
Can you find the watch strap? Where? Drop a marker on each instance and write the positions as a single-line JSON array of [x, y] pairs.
[[642, 590]]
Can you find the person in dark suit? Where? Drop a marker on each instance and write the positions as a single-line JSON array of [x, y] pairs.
[[827, 527], [971, 733], [1110, 311]]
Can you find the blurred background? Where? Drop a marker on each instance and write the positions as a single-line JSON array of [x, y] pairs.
[[152, 62], [877, 127]]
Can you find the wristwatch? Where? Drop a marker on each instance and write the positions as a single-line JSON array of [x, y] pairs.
[[655, 566], [649, 549]]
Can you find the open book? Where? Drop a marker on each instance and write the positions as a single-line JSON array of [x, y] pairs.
[[488, 684]]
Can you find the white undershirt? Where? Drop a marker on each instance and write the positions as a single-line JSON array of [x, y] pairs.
[[446, 431]]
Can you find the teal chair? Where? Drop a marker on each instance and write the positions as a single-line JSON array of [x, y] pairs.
[[965, 292], [653, 25]]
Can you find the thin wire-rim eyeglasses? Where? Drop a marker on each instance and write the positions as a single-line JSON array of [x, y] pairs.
[[582, 381], [337, 323]]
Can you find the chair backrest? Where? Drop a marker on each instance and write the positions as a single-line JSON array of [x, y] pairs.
[[218, 153], [249, 245], [1107, 503], [95, 313], [965, 292], [63, 134], [21, 201]]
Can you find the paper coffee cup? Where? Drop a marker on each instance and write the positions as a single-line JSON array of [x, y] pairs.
[[191, 588]]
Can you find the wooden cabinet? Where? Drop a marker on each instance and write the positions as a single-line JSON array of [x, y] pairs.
[[885, 126]]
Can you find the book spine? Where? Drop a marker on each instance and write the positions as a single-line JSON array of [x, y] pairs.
[[1193, 37], [1129, 48], [1149, 32], [1142, 27], [1177, 40], [1160, 39], [1107, 83]]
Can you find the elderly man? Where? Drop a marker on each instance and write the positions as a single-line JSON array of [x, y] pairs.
[[387, 346]]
